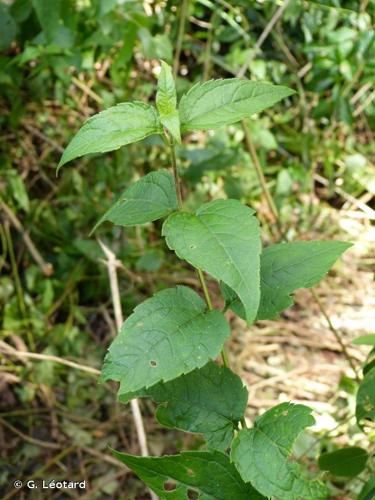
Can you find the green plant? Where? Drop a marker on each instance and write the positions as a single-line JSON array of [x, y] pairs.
[[167, 348]]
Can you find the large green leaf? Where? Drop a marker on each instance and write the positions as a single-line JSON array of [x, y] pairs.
[[223, 239], [208, 473], [209, 400], [347, 462], [167, 335], [115, 127], [149, 199], [166, 101], [222, 102], [262, 454], [365, 404], [286, 267]]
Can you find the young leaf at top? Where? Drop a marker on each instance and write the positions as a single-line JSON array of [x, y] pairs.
[[347, 462], [166, 336], [216, 103], [115, 127], [166, 101], [208, 473], [365, 404], [209, 400], [223, 239], [262, 454], [286, 267], [150, 198]]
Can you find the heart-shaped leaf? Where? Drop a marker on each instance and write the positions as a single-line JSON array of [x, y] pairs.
[[112, 128], [261, 454], [223, 239], [166, 336], [208, 473], [210, 400], [149, 199], [216, 103]]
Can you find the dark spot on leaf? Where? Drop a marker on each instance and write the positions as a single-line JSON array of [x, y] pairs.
[[192, 495], [153, 363], [170, 485]]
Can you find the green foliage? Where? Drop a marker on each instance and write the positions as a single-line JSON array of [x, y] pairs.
[[262, 454], [62, 63], [150, 198], [216, 103], [122, 124], [223, 239], [365, 340], [166, 348], [166, 102], [208, 473], [365, 404], [286, 267], [348, 462], [167, 335], [210, 400]]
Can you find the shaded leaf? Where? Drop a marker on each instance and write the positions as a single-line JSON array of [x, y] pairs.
[[208, 473], [166, 101], [166, 336], [223, 239], [210, 400], [222, 102], [365, 404], [150, 198], [115, 127], [262, 454], [348, 462], [286, 267]]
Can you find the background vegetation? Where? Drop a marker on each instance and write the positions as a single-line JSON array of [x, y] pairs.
[[63, 61]]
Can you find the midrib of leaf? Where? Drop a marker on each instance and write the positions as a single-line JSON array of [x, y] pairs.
[[191, 116], [242, 281]]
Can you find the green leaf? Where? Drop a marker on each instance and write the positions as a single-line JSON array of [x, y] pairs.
[[286, 267], [222, 102], [348, 462], [208, 473], [167, 335], [166, 101], [223, 239], [210, 400], [115, 127], [368, 490], [365, 404], [365, 340], [149, 199], [262, 454]]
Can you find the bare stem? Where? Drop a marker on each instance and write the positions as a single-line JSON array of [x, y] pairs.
[[180, 36], [112, 264], [336, 333], [262, 180]]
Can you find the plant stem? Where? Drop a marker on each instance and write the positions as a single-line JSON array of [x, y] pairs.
[[205, 289], [262, 180], [199, 271], [17, 282], [175, 174], [180, 36], [335, 333]]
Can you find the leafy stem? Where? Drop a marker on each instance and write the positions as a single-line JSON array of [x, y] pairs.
[[202, 279]]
